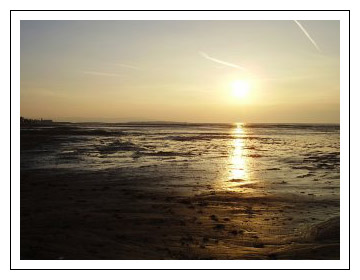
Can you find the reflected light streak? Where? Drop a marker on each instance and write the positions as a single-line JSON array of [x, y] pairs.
[[238, 167]]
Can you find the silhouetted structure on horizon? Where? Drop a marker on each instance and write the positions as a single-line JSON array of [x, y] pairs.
[[28, 122]]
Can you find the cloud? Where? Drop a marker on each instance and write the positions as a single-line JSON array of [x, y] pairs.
[[308, 35], [221, 61], [127, 66], [93, 73]]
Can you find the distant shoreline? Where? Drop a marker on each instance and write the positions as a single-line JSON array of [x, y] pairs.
[[187, 123]]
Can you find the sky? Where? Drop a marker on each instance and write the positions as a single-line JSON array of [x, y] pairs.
[[187, 71]]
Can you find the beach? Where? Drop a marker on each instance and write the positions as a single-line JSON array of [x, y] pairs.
[[180, 191]]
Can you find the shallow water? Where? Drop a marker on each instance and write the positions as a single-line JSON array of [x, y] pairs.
[[271, 158], [180, 191]]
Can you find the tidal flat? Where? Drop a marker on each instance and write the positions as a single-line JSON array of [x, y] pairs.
[[180, 191]]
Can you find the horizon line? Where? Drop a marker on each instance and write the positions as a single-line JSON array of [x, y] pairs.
[[180, 122]]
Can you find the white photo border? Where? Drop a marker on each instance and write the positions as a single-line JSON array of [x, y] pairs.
[[342, 15]]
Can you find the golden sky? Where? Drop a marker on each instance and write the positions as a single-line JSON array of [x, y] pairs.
[[194, 71]]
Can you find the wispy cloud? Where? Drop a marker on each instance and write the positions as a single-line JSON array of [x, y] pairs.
[[128, 66], [221, 61], [93, 73], [308, 35]]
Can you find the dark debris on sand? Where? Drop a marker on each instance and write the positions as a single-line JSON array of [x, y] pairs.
[[81, 216]]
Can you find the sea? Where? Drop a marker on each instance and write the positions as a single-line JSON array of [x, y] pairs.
[[301, 159]]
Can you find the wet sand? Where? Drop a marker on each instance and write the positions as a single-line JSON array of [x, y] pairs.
[[157, 193], [95, 215]]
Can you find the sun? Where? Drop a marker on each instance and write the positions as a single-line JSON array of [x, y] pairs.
[[240, 88]]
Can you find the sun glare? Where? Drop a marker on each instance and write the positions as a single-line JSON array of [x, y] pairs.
[[240, 88]]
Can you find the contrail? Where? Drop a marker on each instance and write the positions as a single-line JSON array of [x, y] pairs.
[[221, 61], [101, 74], [308, 35], [128, 66]]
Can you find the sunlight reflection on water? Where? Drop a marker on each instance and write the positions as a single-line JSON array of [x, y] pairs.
[[238, 162]]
